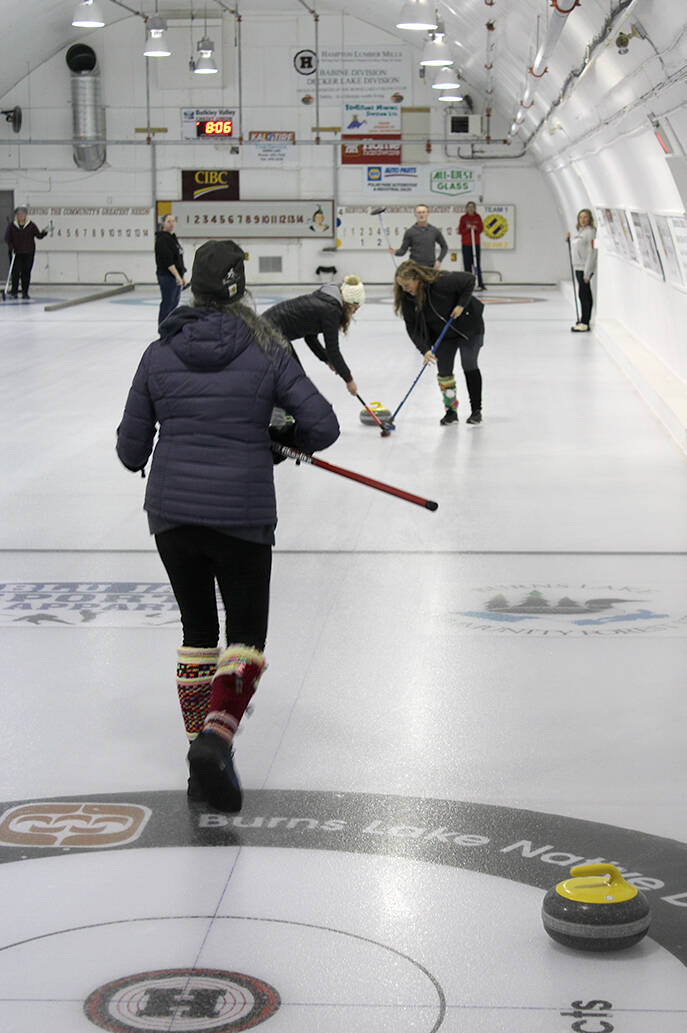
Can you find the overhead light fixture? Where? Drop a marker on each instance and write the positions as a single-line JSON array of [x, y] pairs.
[[205, 65], [416, 15], [451, 97], [156, 37], [446, 80], [88, 16], [437, 53]]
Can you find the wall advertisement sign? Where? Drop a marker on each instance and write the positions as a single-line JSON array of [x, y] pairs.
[[241, 219], [212, 184], [270, 147], [440, 182], [372, 75], [370, 150]]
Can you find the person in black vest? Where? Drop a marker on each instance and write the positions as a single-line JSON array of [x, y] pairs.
[[325, 311], [208, 387], [21, 236], [428, 299], [169, 261]]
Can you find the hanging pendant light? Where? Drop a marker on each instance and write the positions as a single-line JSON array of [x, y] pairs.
[[416, 15], [451, 97], [88, 16], [205, 64], [437, 53], [156, 37], [446, 80]]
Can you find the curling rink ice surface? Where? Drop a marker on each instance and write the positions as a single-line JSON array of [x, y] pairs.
[[459, 705]]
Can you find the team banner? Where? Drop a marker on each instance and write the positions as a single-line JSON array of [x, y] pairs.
[[239, 219], [357, 229]]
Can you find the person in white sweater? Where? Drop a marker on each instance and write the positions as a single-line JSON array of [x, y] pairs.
[[584, 264]]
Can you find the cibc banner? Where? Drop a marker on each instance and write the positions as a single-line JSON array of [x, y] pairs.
[[254, 218], [213, 184]]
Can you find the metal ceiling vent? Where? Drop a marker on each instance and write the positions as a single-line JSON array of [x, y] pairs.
[[88, 114]]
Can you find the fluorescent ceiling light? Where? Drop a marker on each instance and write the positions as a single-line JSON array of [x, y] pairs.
[[88, 16]]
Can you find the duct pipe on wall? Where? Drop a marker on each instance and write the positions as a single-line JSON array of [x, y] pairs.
[[88, 114], [562, 8]]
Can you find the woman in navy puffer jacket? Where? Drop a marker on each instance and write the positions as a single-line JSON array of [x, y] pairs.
[[208, 387]]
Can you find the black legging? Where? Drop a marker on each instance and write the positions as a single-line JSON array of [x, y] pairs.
[[585, 292], [469, 350], [473, 264], [194, 558], [21, 270]]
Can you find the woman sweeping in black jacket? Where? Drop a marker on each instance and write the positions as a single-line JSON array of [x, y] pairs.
[[325, 311], [428, 299]]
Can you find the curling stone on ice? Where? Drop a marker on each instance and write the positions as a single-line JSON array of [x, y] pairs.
[[596, 910], [382, 414]]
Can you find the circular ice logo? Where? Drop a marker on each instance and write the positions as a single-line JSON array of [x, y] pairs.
[[192, 1000]]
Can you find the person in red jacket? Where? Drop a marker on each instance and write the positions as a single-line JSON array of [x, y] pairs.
[[470, 228], [21, 236]]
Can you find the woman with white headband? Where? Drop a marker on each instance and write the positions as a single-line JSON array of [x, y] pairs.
[[325, 311]]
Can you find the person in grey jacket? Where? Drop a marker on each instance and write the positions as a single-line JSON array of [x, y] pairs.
[[422, 239], [428, 300], [325, 311], [208, 387], [584, 255]]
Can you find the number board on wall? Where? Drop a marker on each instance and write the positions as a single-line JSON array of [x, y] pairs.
[[253, 218], [358, 230], [95, 229]]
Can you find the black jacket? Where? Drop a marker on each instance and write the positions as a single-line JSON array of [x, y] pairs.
[[22, 239], [168, 251], [309, 315], [208, 389], [424, 325]]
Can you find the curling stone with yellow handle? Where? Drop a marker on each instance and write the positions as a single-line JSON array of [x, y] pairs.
[[596, 910]]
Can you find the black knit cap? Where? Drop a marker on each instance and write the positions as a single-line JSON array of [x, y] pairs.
[[218, 270]]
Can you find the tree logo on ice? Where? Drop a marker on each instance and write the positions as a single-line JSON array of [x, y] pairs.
[[563, 610]]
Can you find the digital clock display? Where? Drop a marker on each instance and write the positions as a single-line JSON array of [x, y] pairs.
[[214, 127]]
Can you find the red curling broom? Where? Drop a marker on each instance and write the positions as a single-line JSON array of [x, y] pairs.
[[303, 457]]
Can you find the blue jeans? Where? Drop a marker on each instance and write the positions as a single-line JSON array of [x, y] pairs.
[[171, 293]]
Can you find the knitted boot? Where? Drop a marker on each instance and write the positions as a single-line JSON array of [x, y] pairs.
[[195, 667], [210, 756]]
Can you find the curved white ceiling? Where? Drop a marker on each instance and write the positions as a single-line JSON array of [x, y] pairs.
[[38, 29]]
